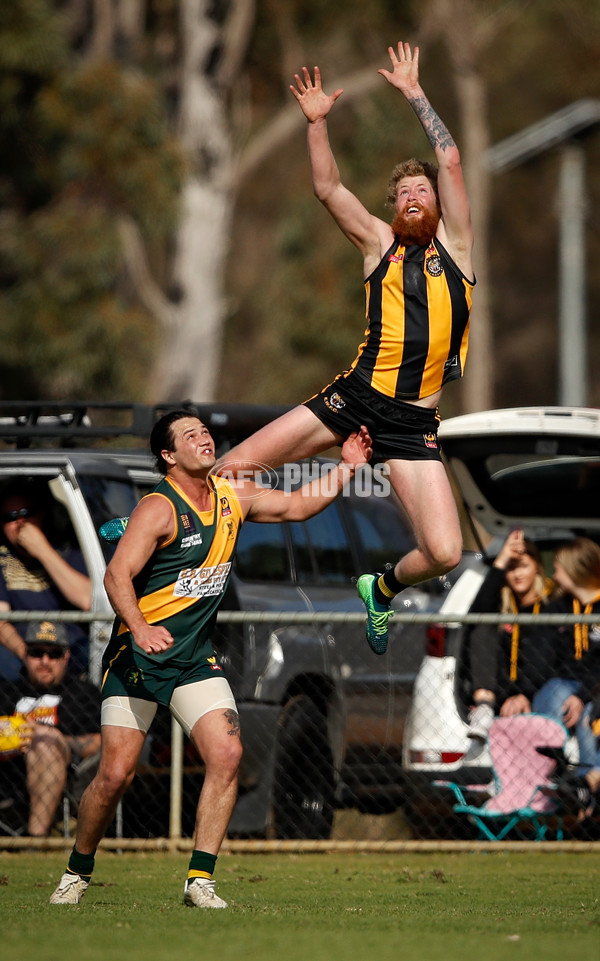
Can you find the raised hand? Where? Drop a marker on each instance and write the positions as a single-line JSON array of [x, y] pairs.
[[32, 539], [512, 549], [313, 100], [405, 68]]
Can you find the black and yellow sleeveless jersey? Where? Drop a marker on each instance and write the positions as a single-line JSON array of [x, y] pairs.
[[183, 583], [418, 307]]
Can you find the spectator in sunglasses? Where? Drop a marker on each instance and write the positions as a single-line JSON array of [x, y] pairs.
[[36, 574], [63, 734]]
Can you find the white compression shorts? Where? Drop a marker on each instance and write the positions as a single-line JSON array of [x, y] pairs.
[[188, 703]]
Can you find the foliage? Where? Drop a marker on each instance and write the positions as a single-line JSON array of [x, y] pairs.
[[544, 60], [88, 138], [320, 906], [89, 144]]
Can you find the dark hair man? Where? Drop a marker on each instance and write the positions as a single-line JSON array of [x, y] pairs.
[[63, 712], [165, 582]]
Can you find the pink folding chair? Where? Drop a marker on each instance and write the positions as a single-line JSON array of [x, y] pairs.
[[524, 797]]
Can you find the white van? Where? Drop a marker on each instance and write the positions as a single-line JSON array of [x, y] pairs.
[[536, 467]]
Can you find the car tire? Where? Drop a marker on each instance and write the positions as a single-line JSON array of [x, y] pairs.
[[303, 791]]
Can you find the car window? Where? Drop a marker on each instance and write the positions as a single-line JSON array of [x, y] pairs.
[[380, 529], [322, 551], [107, 498], [550, 488], [262, 553]]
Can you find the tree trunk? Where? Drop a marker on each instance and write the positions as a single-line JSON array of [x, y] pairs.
[[478, 391], [188, 363]]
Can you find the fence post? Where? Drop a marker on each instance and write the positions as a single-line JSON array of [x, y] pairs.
[[176, 779]]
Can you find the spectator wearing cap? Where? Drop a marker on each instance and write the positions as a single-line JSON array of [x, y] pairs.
[[64, 715], [36, 575]]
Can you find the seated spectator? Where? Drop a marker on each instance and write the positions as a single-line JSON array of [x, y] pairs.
[[567, 695], [64, 712], [506, 667], [580, 793], [36, 574]]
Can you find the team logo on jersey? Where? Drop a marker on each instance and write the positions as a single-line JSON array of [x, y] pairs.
[[334, 401], [213, 664], [430, 440], [229, 530], [188, 522], [225, 506], [192, 540], [433, 266]]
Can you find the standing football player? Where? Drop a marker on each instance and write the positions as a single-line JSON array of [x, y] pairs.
[[165, 582]]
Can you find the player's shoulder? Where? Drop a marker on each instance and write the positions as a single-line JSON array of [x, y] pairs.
[[233, 492]]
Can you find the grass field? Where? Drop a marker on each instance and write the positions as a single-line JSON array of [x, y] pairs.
[[310, 907]]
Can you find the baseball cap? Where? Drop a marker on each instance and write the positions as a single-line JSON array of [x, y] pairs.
[[47, 632]]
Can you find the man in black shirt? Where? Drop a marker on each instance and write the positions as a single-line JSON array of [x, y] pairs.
[[64, 728]]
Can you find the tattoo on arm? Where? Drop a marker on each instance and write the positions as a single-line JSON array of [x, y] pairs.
[[233, 720], [437, 132]]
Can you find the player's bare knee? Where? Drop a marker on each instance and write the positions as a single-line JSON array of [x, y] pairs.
[[230, 754], [444, 559], [112, 780], [224, 756]]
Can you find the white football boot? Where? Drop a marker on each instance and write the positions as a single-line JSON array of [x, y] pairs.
[[200, 893]]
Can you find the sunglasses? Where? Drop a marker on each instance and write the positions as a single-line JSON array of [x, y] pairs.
[[54, 653], [15, 515]]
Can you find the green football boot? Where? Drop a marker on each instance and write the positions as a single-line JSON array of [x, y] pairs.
[[378, 614]]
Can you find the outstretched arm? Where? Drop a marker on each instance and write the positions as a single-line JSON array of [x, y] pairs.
[[455, 226], [361, 227], [313, 497]]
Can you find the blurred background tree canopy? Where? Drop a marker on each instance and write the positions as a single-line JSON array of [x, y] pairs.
[[160, 237]]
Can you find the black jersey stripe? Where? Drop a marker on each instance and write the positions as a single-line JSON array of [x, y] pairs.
[[418, 306], [416, 324]]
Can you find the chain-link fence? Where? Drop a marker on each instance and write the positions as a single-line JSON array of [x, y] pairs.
[[343, 752]]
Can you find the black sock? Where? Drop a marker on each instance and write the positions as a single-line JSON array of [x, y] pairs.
[[387, 586], [81, 864], [202, 865]]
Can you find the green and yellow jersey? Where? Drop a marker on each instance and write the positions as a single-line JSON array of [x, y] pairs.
[[182, 584]]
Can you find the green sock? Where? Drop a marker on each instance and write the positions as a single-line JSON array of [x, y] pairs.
[[81, 864], [202, 865]]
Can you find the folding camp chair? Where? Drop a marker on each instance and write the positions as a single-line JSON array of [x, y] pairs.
[[523, 796]]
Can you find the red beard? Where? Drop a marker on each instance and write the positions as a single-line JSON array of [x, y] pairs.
[[413, 230]]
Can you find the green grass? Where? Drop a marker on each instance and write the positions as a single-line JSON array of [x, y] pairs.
[[310, 907]]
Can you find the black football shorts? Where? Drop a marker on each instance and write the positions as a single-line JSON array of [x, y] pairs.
[[399, 431]]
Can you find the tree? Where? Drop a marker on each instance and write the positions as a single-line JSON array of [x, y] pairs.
[[155, 194], [86, 147], [510, 74]]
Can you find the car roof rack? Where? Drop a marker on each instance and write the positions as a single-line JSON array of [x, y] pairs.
[[69, 424]]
